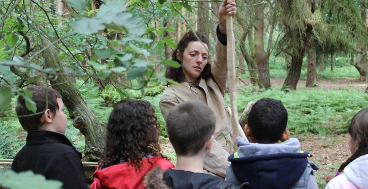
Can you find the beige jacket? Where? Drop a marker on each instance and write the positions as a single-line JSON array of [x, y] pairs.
[[212, 94]]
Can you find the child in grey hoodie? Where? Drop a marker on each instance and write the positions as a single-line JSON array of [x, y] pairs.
[[265, 163]]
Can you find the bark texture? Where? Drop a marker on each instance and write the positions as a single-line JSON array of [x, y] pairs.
[[311, 68]]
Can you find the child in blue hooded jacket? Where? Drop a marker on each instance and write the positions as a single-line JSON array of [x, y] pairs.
[[265, 163]]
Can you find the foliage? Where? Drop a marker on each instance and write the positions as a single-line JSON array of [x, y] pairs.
[[29, 180], [10, 142], [313, 111]]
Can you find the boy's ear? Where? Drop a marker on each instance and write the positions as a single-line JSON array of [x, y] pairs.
[[247, 131], [47, 116], [209, 143], [285, 135], [178, 55]]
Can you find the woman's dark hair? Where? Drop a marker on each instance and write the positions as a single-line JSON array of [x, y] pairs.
[[358, 130], [177, 74], [132, 134]]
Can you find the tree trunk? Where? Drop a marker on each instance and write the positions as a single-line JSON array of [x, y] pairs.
[[293, 76], [332, 62], [241, 63], [251, 63], [84, 119], [321, 62], [311, 68], [261, 56], [361, 63], [168, 50], [287, 63], [202, 19], [215, 6], [60, 11]]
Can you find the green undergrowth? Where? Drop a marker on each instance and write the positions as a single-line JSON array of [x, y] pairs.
[[312, 111]]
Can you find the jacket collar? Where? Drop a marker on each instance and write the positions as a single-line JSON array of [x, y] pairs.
[[40, 137]]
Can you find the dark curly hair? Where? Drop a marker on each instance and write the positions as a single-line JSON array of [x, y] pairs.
[[177, 74], [358, 130], [132, 134]]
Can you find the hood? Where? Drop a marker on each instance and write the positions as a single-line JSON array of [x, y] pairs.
[[267, 166], [126, 176], [357, 172], [189, 180], [250, 149]]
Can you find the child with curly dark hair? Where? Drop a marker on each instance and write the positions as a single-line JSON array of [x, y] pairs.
[[355, 169], [132, 147]]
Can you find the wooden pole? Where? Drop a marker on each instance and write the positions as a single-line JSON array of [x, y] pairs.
[[231, 74], [10, 161]]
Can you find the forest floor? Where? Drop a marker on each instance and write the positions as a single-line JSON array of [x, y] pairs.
[[328, 151]]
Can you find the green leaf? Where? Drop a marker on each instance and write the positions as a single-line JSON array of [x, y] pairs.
[[126, 57], [170, 29], [79, 57], [78, 4], [27, 180], [187, 6], [5, 98], [138, 50], [172, 81], [119, 62], [33, 79], [97, 66], [104, 53], [104, 74], [111, 8], [161, 1], [7, 73], [170, 42], [136, 72], [135, 38], [118, 69], [11, 39], [140, 63], [88, 26], [171, 63], [30, 104]]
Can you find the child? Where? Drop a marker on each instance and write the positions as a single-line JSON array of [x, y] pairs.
[[355, 175], [190, 127], [264, 162], [131, 149], [47, 150]]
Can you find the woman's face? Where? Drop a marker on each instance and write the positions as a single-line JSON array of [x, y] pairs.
[[194, 60], [353, 145]]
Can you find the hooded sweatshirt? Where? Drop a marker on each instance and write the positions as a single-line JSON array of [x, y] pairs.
[[276, 166], [125, 176], [355, 176]]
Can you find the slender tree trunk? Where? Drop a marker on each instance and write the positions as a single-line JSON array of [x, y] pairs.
[[84, 119], [241, 63], [361, 63], [60, 11], [332, 62], [311, 68], [178, 32], [321, 62], [168, 50], [202, 19], [251, 63], [261, 57]]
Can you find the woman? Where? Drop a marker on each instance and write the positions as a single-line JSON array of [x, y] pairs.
[[206, 83]]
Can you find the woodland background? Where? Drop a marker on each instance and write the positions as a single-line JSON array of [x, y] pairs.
[[311, 55]]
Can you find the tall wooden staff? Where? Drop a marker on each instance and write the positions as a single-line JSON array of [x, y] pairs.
[[231, 74]]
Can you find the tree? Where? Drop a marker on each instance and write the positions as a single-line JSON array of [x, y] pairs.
[[81, 48]]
